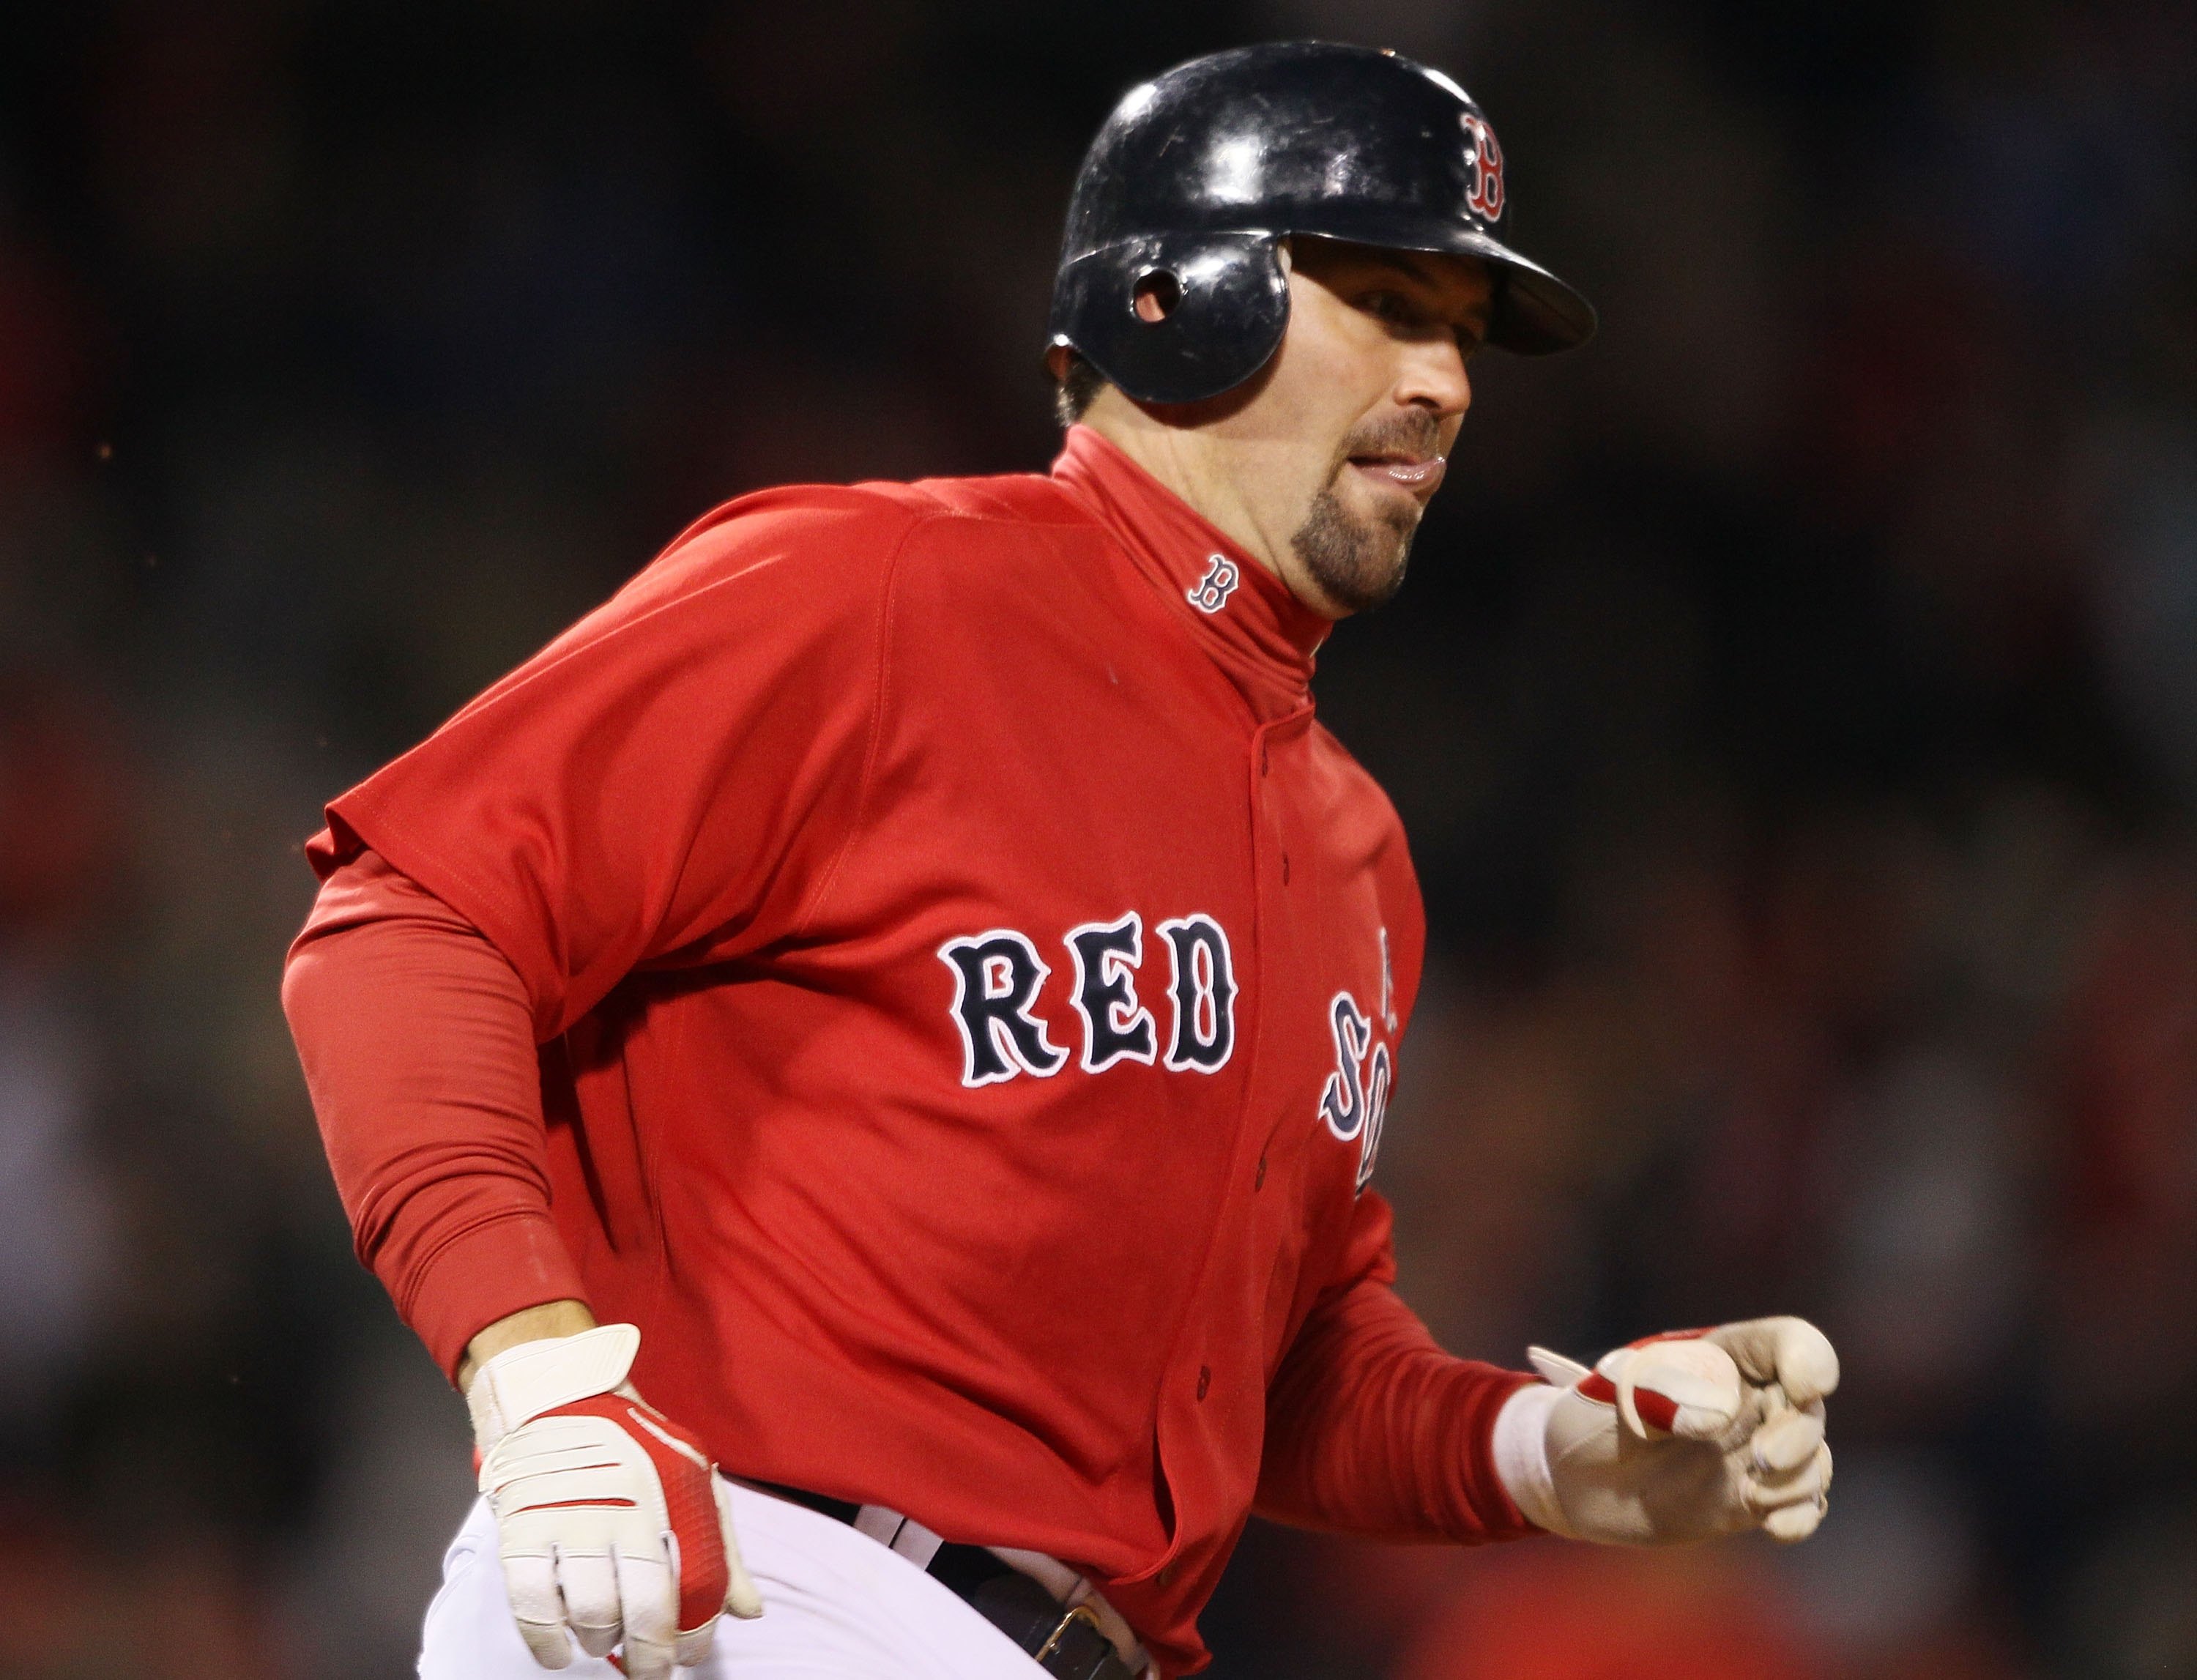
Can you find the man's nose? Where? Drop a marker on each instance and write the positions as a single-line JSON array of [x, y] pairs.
[[1434, 379]]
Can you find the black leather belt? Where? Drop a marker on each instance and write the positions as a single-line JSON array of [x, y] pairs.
[[1063, 1642]]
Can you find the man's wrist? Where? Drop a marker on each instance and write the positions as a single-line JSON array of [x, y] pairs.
[[524, 1380], [1521, 1451], [530, 1324]]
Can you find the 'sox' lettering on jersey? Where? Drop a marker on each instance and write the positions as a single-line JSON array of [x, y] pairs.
[[1203, 989], [1213, 590], [1116, 1027], [1381, 1073], [1388, 986], [1356, 1101], [1342, 1104], [996, 977]]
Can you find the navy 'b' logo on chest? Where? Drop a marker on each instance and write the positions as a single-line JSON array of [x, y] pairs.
[[1213, 590]]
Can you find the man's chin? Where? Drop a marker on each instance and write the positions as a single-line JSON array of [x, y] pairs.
[[1385, 552], [1375, 593], [1355, 546]]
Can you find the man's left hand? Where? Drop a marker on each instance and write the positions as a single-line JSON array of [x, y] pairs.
[[1678, 1437]]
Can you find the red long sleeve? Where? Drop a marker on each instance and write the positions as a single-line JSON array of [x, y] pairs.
[[417, 1039], [1372, 1429]]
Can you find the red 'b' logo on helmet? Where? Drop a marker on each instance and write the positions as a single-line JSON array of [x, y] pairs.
[[1486, 158]]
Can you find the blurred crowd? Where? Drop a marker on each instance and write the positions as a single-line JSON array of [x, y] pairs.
[[1793, 709]]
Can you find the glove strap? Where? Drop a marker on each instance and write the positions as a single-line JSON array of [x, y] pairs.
[[1520, 1448], [523, 1382]]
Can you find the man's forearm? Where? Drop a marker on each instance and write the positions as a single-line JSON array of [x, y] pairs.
[[418, 1046], [1373, 1430]]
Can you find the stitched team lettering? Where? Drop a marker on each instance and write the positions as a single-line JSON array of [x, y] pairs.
[[997, 978], [1355, 1101], [1116, 1027], [1213, 590]]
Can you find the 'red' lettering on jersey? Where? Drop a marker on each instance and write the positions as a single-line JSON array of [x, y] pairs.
[[971, 983]]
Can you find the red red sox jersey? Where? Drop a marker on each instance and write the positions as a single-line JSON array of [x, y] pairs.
[[970, 983]]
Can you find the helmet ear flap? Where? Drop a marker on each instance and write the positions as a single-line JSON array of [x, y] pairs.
[[1175, 318]]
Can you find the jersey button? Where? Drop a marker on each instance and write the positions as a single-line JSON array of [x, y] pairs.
[[1204, 1380], [1286, 869]]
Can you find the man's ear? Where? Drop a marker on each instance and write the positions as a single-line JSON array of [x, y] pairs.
[[1057, 358]]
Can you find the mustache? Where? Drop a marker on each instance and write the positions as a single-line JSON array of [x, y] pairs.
[[1415, 433]]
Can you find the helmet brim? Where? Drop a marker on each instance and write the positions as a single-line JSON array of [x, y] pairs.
[[1535, 313]]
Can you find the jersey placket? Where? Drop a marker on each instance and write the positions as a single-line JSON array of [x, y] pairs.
[[1216, 1384], [1292, 899]]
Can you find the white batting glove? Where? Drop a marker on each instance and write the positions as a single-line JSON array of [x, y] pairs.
[[611, 1519], [1679, 1437]]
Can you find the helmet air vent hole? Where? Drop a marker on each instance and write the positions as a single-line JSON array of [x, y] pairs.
[[1155, 296]]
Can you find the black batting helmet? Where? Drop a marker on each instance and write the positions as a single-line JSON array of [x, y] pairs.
[[1198, 174]]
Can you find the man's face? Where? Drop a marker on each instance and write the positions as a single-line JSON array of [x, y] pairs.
[[1340, 444]]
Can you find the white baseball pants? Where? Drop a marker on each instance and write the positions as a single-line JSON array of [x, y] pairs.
[[836, 1606]]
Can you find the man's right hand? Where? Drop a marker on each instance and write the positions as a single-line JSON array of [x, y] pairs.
[[611, 1521], [1678, 1437]]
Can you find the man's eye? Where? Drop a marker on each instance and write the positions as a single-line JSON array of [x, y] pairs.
[[1392, 306]]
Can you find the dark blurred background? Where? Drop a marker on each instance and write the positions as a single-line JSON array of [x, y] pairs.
[[1793, 709]]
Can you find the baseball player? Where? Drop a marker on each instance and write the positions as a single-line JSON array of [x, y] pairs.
[[875, 1041]]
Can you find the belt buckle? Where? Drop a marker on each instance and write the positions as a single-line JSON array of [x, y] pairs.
[[1080, 1613]]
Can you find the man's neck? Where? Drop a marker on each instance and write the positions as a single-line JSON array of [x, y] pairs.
[[1186, 461]]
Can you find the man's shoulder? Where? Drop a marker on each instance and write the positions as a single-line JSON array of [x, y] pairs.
[[844, 530], [841, 525], [1023, 499]]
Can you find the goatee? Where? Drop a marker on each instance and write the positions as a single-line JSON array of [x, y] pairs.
[[1360, 563]]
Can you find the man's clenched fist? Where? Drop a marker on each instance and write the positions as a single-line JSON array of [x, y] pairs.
[[611, 1521], [1678, 1437]]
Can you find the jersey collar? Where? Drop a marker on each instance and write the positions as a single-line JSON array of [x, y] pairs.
[[1240, 612]]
